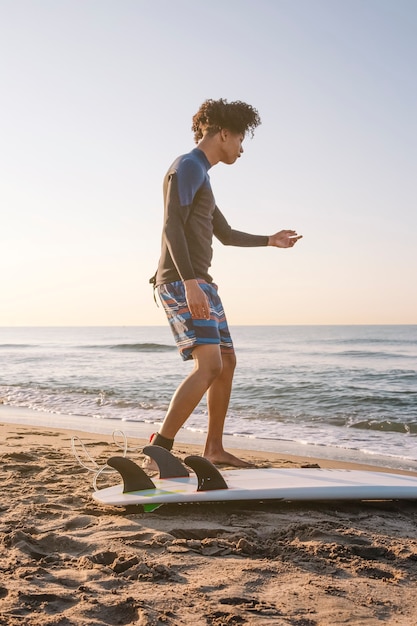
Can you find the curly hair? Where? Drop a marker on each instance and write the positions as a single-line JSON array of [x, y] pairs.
[[213, 115]]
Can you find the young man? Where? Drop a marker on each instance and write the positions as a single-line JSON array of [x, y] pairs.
[[186, 290]]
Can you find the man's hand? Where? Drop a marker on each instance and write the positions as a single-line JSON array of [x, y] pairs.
[[284, 239], [197, 300]]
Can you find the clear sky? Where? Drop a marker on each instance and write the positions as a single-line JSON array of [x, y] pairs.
[[97, 98]]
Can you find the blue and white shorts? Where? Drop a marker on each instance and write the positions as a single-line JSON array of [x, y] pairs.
[[189, 332]]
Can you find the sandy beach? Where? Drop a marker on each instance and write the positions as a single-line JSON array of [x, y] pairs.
[[67, 560]]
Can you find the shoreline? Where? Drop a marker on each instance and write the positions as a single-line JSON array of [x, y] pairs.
[[243, 445], [94, 441]]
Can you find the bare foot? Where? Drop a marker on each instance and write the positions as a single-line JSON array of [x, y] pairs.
[[225, 458]]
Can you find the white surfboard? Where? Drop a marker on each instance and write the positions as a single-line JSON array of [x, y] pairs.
[[210, 485]]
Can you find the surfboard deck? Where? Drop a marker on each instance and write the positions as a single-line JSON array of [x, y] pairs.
[[207, 484]]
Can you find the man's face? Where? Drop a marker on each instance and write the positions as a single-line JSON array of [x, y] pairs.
[[232, 146]]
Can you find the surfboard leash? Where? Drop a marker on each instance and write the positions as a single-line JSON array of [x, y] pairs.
[[91, 464]]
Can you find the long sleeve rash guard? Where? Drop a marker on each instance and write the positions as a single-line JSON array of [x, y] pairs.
[[191, 218]]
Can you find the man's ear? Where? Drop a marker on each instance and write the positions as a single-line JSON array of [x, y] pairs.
[[224, 133]]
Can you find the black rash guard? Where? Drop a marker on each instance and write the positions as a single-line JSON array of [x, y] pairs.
[[191, 219]]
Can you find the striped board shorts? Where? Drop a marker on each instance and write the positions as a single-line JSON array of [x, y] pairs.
[[188, 332]]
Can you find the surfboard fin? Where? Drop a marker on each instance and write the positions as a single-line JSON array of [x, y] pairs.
[[134, 478], [169, 466], [209, 477]]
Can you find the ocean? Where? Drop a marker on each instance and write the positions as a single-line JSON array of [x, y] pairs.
[[338, 391]]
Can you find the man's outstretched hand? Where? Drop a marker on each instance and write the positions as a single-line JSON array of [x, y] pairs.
[[284, 239]]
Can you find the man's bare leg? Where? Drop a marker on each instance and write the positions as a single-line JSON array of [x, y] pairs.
[[207, 366], [218, 396]]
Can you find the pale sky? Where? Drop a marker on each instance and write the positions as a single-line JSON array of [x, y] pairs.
[[97, 98]]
